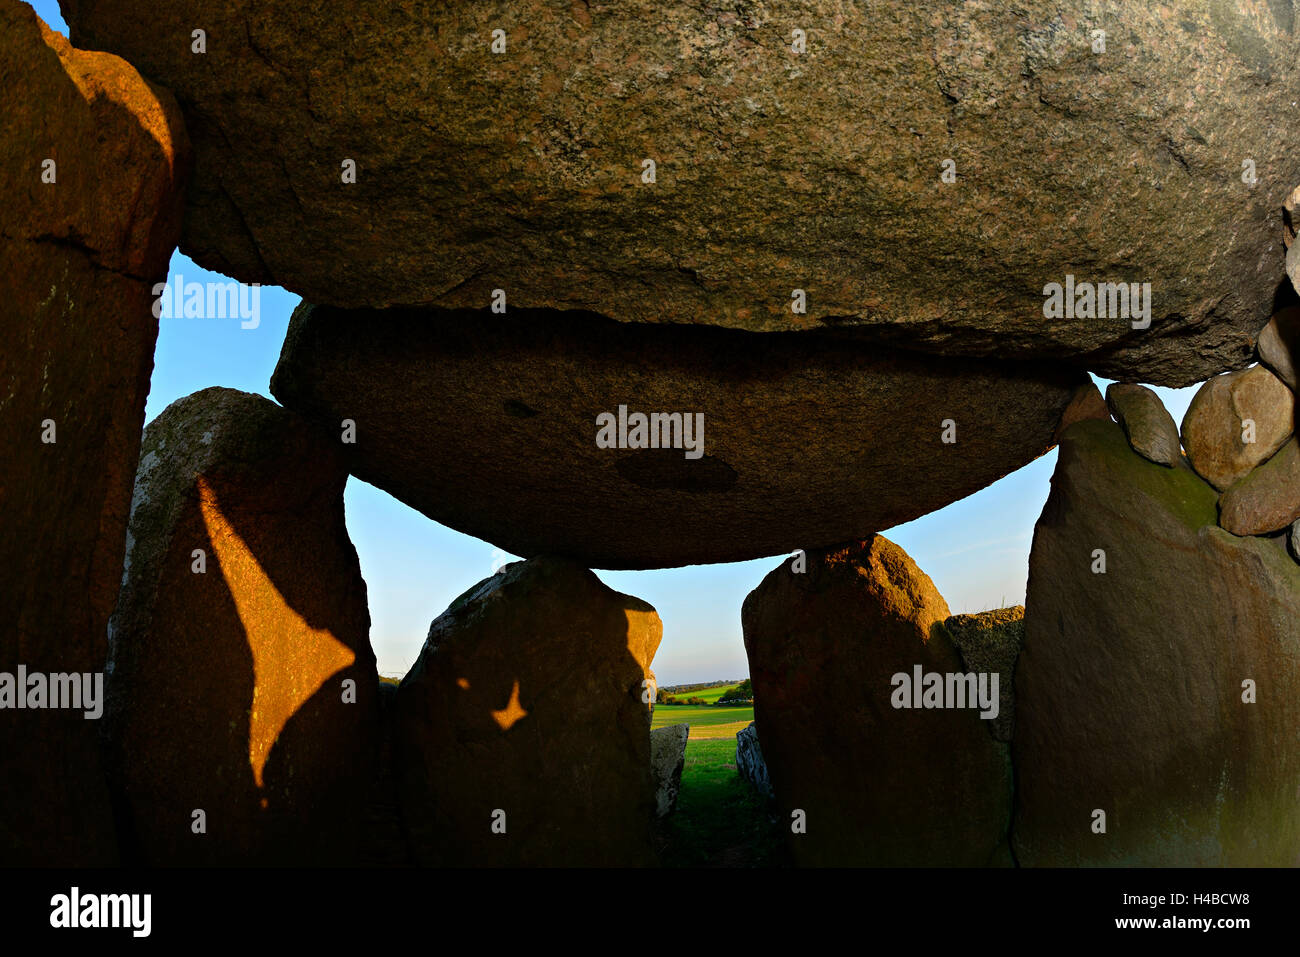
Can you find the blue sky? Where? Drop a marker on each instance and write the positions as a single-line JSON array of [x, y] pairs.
[[976, 550]]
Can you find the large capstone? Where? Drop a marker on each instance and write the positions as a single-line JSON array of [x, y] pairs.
[[523, 429], [913, 172]]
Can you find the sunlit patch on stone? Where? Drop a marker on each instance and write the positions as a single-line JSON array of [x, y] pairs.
[[291, 659]]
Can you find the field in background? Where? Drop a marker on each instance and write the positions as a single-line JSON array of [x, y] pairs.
[[720, 821], [706, 721]]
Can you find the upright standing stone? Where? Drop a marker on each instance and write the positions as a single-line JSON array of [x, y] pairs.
[[92, 163], [876, 784], [242, 684], [667, 759], [1158, 692], [749, 760], [523, 735], [989, 642]]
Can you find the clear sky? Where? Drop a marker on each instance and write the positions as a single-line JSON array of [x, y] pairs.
[[976, 550]]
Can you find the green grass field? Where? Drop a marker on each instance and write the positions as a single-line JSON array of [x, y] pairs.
[[706, 721], [720, 821]]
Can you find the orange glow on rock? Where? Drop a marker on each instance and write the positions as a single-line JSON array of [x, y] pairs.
[[291, 659], [512, 712]]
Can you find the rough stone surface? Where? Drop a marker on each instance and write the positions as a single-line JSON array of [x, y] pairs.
[[1289, 217], [1087, 403], [78, 257], [1215, 424], [1293, 540], [527, 699], [1129, 686], [667, 758], [1268, 499], [749, 760], [1147, 423], [228, 686], [488, 424], [1293, 265], [880, 786], [1279, 345], [989, 643], [775, 170]]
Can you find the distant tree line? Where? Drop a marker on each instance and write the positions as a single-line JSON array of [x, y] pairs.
[[662, 698], [679, 689], [742, 693]]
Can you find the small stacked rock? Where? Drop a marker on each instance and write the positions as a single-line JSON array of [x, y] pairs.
[[1147, 424], [1236, 422], [1279, 342], [1239, 433]]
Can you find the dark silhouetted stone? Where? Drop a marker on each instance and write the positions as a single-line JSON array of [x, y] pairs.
[[81, 244], [880, 785], [524, 725]]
